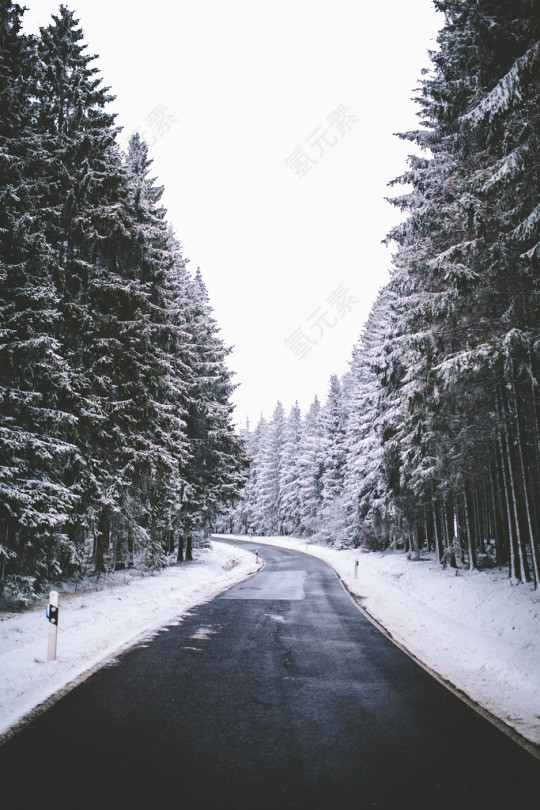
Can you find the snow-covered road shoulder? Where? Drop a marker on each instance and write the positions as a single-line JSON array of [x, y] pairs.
[[96, 624], [474, 629]]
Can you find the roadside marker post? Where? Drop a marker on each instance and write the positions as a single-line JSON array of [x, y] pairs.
[[356, 570], [52, 615]]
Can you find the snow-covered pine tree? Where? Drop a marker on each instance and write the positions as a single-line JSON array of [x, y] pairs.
[[88, 226], [218, 465], [333, 448], [310, 469], [39, 464], [125, 295], [161, 451], [269, 512], [289, 483], [245, 516], [501, 358], [465, 266], [114, 389], [367, 503]]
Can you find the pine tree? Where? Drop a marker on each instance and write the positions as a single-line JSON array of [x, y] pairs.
[[245, 516], [440, 408], [310, 468], [367, 500], [289, 483], [218, 465], [88, 227], [115, 397], [333, 422], [465, 267], [160, 476], [270, 513], [40, 464]]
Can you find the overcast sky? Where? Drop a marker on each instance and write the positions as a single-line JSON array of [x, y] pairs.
[[271, 125]]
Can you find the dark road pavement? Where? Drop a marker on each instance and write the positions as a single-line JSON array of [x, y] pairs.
[[277, 694]]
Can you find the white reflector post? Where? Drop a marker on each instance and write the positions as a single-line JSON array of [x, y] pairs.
[[52, 615]]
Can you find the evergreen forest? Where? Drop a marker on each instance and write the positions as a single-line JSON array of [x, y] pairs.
[[117, 445], [117, 441], [430, 440]]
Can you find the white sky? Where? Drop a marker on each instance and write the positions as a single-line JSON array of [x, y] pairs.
[[223, 92]]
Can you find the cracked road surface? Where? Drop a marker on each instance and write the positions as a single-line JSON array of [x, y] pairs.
[[277, 694]]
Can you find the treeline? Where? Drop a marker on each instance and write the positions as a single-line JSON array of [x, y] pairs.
[[431, 440], [116, 437]]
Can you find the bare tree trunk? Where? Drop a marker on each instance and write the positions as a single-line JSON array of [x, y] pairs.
[[130, 547], [524, 569], [189, 544], [470, 539], [457, 536], [534, 555], [478, 523], [505, 545], [101, 544], [512, 541], [427, 538], [119, 541], [535, 406], [180, 555], [438, 548]]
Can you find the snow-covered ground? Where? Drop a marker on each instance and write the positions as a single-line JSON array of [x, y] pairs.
[[97, 622], [474, 629]]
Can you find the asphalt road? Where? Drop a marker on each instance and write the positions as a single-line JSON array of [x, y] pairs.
[[277, 694]]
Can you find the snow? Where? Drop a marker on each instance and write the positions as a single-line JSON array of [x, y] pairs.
[[473, 628], [101, 619]]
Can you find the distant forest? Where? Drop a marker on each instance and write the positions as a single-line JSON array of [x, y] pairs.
[[431, 440], [117, 445]]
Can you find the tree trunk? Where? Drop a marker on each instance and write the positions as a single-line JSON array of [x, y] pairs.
[[471, 553], [101, 544], [427, 535], [130, 548], [524, 568], [504, 544], [438, 548], [180, 555], [534, 555], [512, 542], [118, 540], [478, 513], [457, 536]]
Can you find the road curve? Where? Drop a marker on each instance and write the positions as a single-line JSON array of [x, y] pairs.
[[277, 694]]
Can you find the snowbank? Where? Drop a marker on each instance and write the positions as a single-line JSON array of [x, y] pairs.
[[96, 624], [474, 629]]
